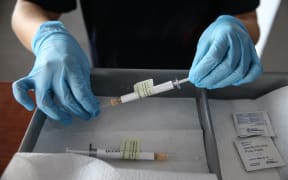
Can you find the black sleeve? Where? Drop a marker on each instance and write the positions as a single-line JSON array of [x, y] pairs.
[[59, 6], [237, 6]]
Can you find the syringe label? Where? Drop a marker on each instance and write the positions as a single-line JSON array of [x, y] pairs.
[[144, 88], [130, 149]]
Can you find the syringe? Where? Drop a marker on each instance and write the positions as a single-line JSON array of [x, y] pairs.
[[146, 88], [117, 154]]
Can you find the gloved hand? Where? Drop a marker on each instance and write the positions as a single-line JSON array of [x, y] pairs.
[[60, 76], [225, 56]]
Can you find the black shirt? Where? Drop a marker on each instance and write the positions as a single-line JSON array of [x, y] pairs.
[[142, 34]]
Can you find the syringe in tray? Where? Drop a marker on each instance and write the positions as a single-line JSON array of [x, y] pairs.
[[144, 89]]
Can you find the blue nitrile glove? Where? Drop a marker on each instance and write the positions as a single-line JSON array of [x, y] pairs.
[[225, 56], [60, 76]]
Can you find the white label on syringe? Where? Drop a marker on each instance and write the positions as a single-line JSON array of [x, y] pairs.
[[116, 154], [144, 88]]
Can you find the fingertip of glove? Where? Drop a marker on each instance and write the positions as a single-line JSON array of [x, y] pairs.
[[94, 108], [96, 113], [66, 121], [92, 115], [25, 101], [29, 107]]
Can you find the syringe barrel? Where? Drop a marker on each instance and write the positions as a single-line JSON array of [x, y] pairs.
[[129, 97], [166, 86]]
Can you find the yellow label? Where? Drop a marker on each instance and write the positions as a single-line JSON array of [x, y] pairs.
[[130, 149], [144, 88]]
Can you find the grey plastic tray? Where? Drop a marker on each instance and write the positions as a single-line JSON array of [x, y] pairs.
[[116, 82]]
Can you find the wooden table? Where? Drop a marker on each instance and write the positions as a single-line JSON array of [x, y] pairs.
[[14, 120]]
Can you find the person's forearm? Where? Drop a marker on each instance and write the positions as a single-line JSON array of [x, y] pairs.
[[26, 19], [250, 21]]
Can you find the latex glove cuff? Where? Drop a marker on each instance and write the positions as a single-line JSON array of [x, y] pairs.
[[46, 29]]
